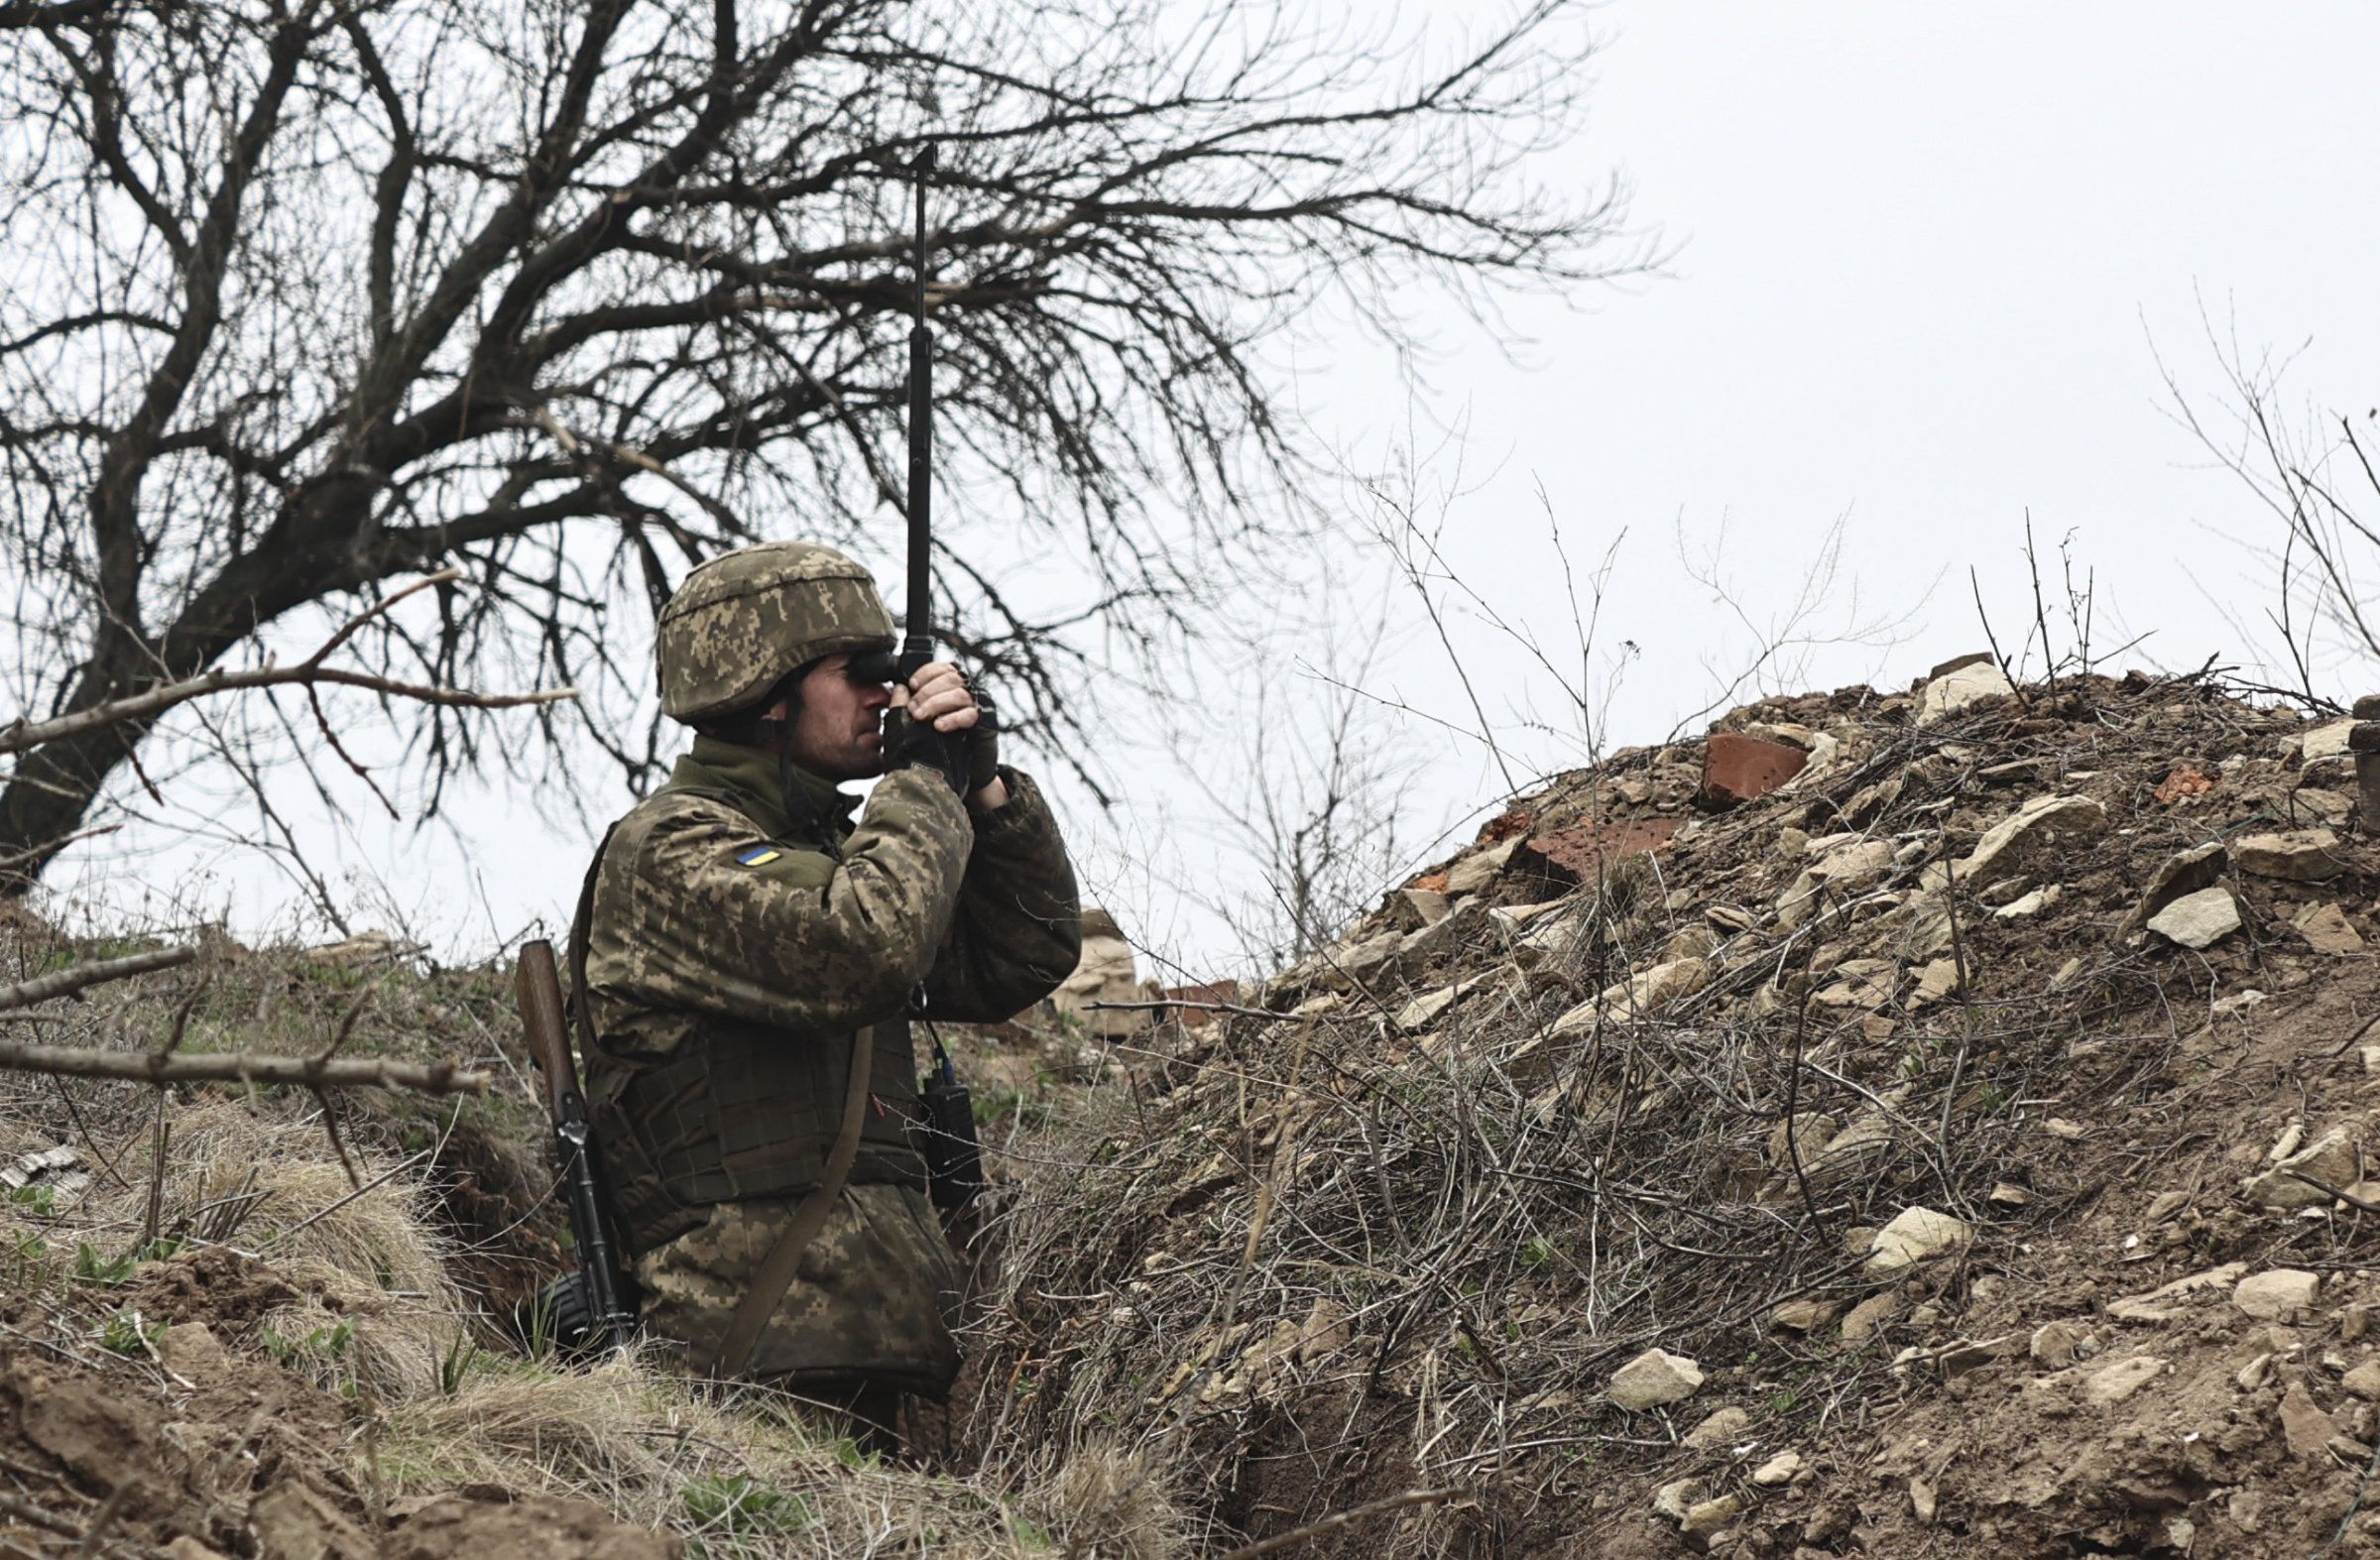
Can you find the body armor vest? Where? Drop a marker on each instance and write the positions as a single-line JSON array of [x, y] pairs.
[[736, 1112]]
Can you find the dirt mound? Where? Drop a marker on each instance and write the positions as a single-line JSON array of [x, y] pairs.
[[1930, 1123], [215, 1454]]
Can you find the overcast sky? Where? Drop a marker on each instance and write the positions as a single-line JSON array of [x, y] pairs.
[[1928, 259]]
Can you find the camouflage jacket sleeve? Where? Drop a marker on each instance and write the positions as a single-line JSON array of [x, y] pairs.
[[706, 914], [1018, 931]]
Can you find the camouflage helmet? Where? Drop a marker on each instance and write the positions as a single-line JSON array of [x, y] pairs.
[[743, 620]]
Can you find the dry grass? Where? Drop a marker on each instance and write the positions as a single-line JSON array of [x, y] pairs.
[[1320, 1259]]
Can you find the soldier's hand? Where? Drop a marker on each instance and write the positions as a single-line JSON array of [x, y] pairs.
[[937, 693], [937, 711]]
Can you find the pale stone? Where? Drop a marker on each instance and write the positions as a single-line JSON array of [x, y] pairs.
[[2328, 807], [2184, 872], [2161, 1306], [192, 1350], [1869, 1315], [1418, 1013], [2008, 1194], [2112, 1386], [2037, 821], [2303, 1425], [2278, 1295], [1481, 868], [2297, 855], [2068, 1131], [1857, 983], [1804, 1136], [1653, 1378], [1675, 1498], [1708, 1517], [1915, 1235], [2032, 903], [2326, 741], [1924, 1500], [1955, 690], [1652, 989], [2363, 1381], [1804, 1316], [1428, 905], [1689, 942], [2326, 929], [2059, 1344], [1935, 981], [2199, 920], [1723, 1426], [1778, 1471], [1513, 917], [2332, 1158]]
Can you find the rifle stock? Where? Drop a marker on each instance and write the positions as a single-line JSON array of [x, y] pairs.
[[577, 1158]]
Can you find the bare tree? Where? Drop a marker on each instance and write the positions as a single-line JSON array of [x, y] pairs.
[[308, 295]]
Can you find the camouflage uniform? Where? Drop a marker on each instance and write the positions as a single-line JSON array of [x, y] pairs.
[[739, 939]]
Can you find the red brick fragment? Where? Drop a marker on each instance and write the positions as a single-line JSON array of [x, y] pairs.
[[1434, 882], [1580, 851], [1737, 769], [1506, 824]]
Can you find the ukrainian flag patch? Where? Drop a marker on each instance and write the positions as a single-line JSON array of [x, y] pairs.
[[758, 856]]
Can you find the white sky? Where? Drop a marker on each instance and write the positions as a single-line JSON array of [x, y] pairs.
[[1926, 252]]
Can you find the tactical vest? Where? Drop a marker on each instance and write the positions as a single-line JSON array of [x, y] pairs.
[[738, 1111]]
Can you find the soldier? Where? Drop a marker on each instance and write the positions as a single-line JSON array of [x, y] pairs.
[[750, 955]]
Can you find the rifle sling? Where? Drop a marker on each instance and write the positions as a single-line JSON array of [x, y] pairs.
[[777, 1269]]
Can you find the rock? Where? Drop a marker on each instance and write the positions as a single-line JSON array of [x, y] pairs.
[[1924, 1500], [2292, 1137], [2364, 1380], [1916, 1235], [1869, 1315], [1723, 1426], [1690, 942], [2326, 929], [2008, 1194], [1675, 1498], [2163, 1305], [2060, 1343], [1480, 869], [2066, 1130], [1804, 1135], [2330, 740], [2297, 855], [2332, 1158], [1953, 690], [1428, 906], [1737, 769], [2038, 821], [2187, 872], [1711, 1515], [1581, 853], [2303, 1425], [2032, 903], [1935, 981], [1804, 1316], [1778, 1471], [2330, 808], [2254, 1374], [2197, 920], [1653, 1378], [1651, 990], [2112, 1386], [2279, 1295], [1857, 983], [1513, 917]]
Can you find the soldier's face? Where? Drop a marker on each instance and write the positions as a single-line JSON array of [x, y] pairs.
[[839, 735]]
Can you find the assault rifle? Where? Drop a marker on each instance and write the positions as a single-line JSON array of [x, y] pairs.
[[584, 1307]]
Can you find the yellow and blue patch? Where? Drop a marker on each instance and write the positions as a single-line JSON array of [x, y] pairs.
[[758, 856]]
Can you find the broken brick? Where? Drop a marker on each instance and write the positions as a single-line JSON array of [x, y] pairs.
[[1579, 852], [1737, 769]]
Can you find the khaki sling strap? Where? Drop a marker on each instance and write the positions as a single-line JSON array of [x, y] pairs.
[[783, 1262]]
